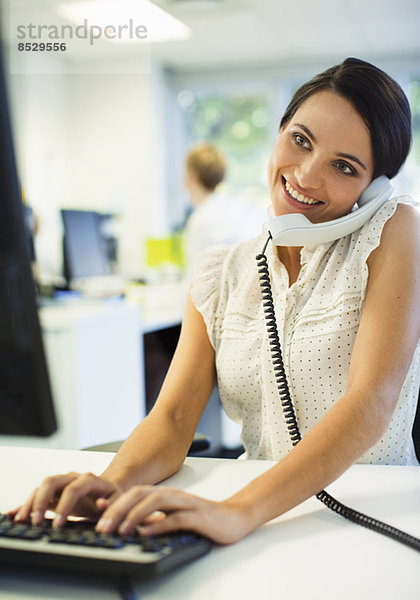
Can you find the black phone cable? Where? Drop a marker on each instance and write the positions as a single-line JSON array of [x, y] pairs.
[[290, 415]]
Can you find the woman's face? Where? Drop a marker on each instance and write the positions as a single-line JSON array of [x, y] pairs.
[[322, 160]]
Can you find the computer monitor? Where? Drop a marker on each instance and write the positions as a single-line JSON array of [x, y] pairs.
[[85, 251], [26, 406]]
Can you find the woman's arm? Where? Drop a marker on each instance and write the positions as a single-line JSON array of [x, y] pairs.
[[387, 336], [158, 445]]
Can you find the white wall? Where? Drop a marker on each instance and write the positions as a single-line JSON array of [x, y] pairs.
[[39, 112], [93, 142]]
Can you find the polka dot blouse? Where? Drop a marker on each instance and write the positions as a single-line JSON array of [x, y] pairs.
[[317, 319]]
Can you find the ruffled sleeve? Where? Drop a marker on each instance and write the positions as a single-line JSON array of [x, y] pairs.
[[371, 233], [206, 285]]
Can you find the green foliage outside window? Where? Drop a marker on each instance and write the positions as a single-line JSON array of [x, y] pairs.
[[239, 126]]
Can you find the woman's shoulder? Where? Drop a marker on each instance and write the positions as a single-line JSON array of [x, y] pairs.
[[223, 264], [246, 249], [406, 216], [224, 274], [402, 227], [400, 236], [236, 256], [391, 216]]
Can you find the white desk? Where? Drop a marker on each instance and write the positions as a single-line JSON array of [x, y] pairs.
[[308, 553]]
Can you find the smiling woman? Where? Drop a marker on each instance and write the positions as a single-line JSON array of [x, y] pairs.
[[321, 166], [350, 337]]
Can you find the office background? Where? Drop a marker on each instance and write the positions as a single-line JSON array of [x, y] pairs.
[[95, 130], [116, 142]]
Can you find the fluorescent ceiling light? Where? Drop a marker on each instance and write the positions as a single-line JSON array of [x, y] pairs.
[[161, 26]]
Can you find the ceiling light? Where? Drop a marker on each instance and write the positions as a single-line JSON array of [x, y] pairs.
[[124, 17]]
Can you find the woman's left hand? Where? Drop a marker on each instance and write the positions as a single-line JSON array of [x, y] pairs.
[[159, 510]]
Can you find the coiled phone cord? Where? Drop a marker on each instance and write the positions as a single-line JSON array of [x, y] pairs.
[[290, 415]]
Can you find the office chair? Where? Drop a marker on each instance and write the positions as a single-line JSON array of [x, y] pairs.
[[200, 443], [416, 430]]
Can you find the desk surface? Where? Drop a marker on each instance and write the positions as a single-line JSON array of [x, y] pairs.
[[308, 553], [158, 312]]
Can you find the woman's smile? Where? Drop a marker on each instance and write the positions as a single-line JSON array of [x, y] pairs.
[[297, 198]]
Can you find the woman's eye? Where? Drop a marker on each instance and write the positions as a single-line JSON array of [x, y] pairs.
[[345, 168], [300, 140]]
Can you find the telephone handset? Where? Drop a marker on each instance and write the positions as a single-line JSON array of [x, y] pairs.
[[297, 230]]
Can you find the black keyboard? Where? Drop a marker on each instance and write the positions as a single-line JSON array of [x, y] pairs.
[[78, 547]]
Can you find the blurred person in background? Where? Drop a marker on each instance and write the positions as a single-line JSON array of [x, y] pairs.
[[216, 217]]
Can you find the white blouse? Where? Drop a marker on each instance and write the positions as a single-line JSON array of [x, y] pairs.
[[317, 319]]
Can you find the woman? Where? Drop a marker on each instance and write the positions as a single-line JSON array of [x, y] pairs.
[[347, 312]]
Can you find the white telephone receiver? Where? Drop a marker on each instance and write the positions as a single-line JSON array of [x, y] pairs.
[[297, 230]]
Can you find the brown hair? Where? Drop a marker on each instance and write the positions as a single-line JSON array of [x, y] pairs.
[[207, 163]]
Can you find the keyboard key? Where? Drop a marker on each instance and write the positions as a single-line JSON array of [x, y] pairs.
[[17, 530], [34, 533]]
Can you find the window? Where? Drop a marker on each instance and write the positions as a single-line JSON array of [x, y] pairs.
[[238, 125]]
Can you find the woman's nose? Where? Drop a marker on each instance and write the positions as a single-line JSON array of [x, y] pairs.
[[309, 173]]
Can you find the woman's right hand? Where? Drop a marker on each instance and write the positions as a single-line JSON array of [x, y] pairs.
[[69, 494]]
